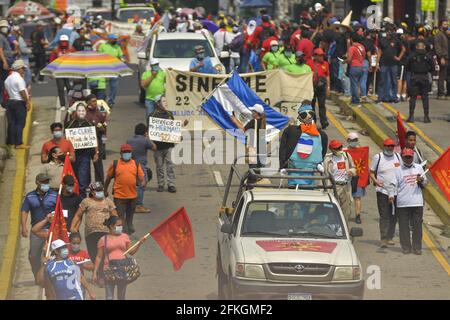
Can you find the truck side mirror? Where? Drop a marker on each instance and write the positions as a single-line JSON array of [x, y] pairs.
[[356, 232], [142, 55], [227, 228]]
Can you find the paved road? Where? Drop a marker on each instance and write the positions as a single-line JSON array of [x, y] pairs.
[[402, 277]]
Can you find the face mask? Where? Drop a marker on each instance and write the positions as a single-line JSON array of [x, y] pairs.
[[200, 56], [69, 189], [155, 68], [118, 229], [353, 144], [388, 153], [64, 253], [338, 153], [44, 187], [75, 248], [274, 48], [288, 53], [126, 156], [62, 157], [99, 194], [57, 134]]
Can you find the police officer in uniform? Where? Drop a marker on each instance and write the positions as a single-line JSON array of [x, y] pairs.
[[420, 65]]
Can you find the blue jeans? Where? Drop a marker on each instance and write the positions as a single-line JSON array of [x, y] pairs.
[[389, 80], [364, 78], [82, 169], [141, 189], [345, 81], [16, 114], [334, 73], [113, 85], [150, 106], [356, 74], [121, 290]]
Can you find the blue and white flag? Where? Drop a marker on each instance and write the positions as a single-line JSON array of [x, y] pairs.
[[236, 96]]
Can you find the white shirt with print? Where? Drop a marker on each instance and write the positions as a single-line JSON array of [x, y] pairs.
[[404, 184], [386, 169]]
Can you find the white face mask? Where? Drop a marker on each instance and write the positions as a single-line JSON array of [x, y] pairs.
[[388, 153], [353, 144]]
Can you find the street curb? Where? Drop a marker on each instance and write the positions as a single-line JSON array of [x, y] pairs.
[[12, 240], [431, 194]]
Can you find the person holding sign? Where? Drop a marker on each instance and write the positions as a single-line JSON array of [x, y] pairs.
[[83, 152], [153, 81]]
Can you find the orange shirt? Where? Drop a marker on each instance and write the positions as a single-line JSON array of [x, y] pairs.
[[64, 144], [125, 179]]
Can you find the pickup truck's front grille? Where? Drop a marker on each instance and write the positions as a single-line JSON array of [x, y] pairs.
[[299, 269]]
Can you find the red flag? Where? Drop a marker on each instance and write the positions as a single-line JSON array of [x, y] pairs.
[[58, 226], [401, 131], [68, 171], [361, 160], [440, 170], [174, 236]]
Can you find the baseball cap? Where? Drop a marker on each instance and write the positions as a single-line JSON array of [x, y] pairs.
[[335, 144], [257, 107], [58, 244], [299, 54], [41, 177], [18, 64], [399, 31], [318, 6], [274, 43], [126, 148], [154, 61], [319, 52], [112, 36], [352, 136], [64, 38], [199, 49], [69, 180], [407, 152], [305, 107], [389, 142], [96, 186]]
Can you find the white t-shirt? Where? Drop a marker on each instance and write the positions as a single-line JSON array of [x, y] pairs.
[[404, 184], [14, 84], [386, 169], [339, 169]]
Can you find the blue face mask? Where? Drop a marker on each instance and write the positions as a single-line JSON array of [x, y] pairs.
[[44, 187], [126, 156], [99, 194], [64, 253], [155, 68], [57, 134], [118, 229]]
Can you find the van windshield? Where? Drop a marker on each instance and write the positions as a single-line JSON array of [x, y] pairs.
[[179, 48], [316, 220]]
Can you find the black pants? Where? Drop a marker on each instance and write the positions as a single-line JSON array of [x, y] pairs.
[[442, 79], [387, 220], [40, 60], [16, 114], [420, 85], [91, 244], [98, 165], [320, 95], [407, 218], [62, 83], [125, 209]]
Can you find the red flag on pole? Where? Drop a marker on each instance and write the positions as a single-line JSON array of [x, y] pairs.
[[361, 159], [440, 170], [68, 171], [58, 228], [174, 236], [401, 131]]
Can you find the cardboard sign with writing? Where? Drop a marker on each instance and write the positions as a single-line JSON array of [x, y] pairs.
[[82, 138], [164, 130]]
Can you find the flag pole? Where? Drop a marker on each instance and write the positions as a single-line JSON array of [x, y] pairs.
[[136, 244], [47, 252]]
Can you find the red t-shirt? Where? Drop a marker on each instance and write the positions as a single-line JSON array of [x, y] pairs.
[[79, 258], [64, 144], [307, 47], [319, 70], [295, 38], [356, 54]]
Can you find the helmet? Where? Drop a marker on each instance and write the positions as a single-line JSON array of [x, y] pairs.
[[64, 38]]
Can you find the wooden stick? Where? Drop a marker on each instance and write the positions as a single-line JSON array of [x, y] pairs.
[[135, 245]]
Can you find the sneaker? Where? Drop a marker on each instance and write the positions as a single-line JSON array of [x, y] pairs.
[[172, 189], [417, 252], [62, 109], [406, 251], [390, 242], [160, 189], [426, 119], [358, 219], [142, 209]]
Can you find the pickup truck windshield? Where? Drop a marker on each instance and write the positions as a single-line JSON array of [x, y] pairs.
[[181, 49], [293, 219], [124, 15]]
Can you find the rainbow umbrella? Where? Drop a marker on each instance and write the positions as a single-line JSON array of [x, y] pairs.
[[86, 64]]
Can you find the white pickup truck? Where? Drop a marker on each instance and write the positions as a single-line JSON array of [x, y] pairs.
[[281, 243]]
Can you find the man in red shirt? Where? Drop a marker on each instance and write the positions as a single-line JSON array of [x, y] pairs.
[[355, 59], [265, 30], [296, 36], [62, 49], [305, 45], [58, 141], [321, 80], [265, 48]]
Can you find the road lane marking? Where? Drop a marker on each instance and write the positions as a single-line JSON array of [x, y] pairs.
[[218, 178], [426, 238], [415, 128]]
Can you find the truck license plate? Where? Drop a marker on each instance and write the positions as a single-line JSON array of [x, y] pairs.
[[299, 296]]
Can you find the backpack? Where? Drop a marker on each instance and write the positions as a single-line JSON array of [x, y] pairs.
[[237, 43]]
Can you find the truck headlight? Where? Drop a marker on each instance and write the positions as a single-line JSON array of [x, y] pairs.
[[347, 273], [254, 271]]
